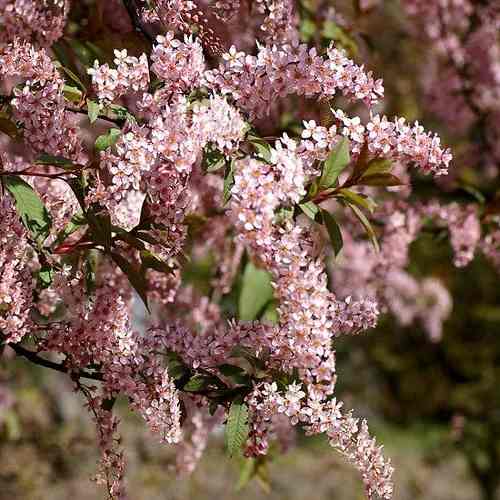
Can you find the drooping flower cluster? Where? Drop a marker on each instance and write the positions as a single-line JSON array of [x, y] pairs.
[[16, 283], [40, 104], [40, 21], [255, 82]]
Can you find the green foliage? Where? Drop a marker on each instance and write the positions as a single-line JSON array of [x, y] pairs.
[[256, 292], [261, 146], [333, 231], [366, 224], [110, 138], [45, 276], [310, 209], [30, 208], [136, 278], [213, 160], [73, 94], [228, 182], [93, 110], [236, 427], [337, 160], [57, 161]]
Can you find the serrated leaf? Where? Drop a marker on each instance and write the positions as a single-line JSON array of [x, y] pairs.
[[366, 224], [109, 139], [135, 277], [333, 231], [93, 110], [101, 228], [236, 428], [30, 208], [337, 160], [256, 292], [310, 209], [380, 180]]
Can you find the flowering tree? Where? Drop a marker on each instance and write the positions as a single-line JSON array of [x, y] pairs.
[[142, 138]]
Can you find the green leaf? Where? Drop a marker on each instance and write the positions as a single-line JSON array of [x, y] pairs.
[[378, 166], [135, 277], [197, 383], [101, 228], [247, 472], [71, 93], [357, 199], [380, 180], [474, 192], [310, 209], [57, 161], [337, 160], [109, 139], [29, 207], [93, 110], [333, 231], [270, 313], [256, 292], [366, 224], [45, 276], [262, 147], [72, 76], [228, 183], [175, 366], [236, 427], [115, 111], [213, 160], [150, 261], [235, 373]]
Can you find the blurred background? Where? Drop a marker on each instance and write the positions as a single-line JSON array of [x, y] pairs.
[[434, 405]]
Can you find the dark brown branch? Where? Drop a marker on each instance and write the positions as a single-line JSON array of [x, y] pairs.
[[133, 12], [60, 367]]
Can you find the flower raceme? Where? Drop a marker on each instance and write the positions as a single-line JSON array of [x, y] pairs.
[[181, 171]]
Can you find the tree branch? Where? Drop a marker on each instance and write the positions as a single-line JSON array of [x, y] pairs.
[[60, 367], [132, 10]]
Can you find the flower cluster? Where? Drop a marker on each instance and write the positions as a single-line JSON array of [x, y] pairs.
[[41, 22], [16, 282], [40, 104], [130, 75], [255, 82]]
